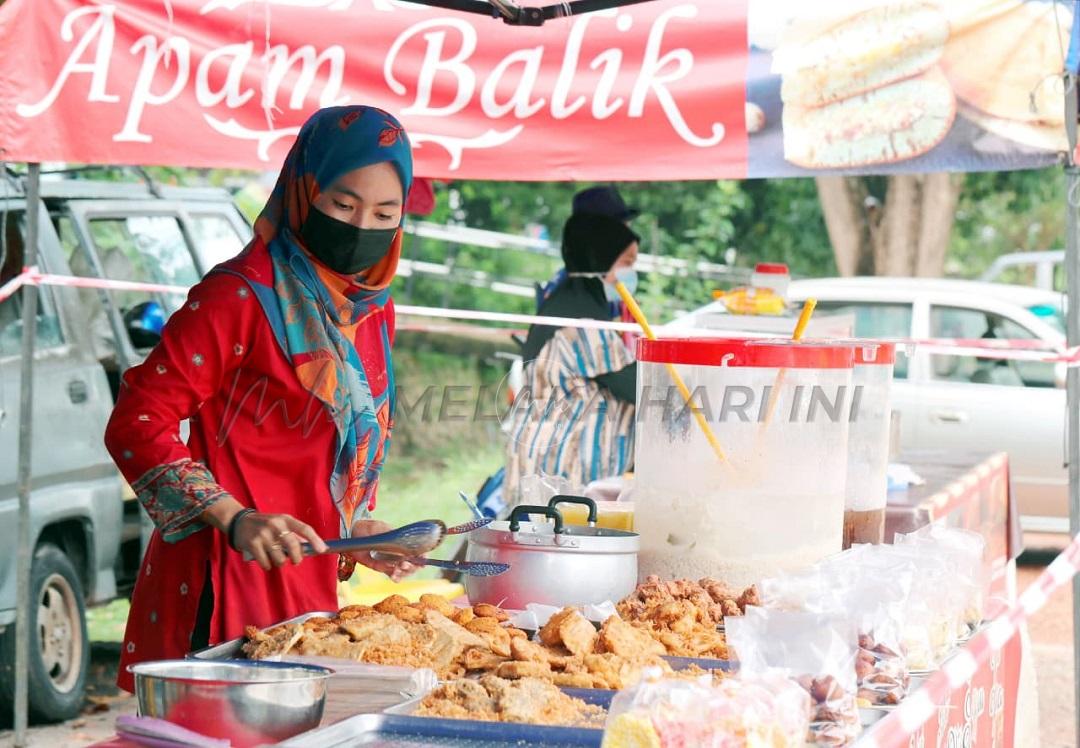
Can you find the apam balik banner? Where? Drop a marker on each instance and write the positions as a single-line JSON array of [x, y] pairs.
[[671, 89]]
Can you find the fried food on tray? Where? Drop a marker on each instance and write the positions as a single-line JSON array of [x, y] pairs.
[[619, 637], [569, 629], [477, 640], [683, 615], [714, 598], [493, 699], [426, 634]]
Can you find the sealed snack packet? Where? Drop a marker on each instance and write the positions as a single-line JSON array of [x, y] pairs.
[[768, 710], [873, 602], [817, 650], [963, 551]]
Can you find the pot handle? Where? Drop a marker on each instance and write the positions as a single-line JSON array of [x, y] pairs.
[[584, 501], [524, 510]]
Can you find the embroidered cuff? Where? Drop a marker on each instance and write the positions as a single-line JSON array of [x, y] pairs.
[[174, 495]]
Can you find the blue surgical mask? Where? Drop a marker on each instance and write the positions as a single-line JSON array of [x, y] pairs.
[[628, 277]]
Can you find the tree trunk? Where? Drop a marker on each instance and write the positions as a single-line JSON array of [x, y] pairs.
[[941, 193], [909, 235], [845, 219]]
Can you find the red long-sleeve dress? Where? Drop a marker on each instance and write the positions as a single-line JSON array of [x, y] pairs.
[[255, 434]]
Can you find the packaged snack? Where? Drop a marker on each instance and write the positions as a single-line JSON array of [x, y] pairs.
[[842, 586], [767, 709], [817, 650], [963, 551]]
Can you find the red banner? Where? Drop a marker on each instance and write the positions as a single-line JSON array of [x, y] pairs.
[[662, 90]]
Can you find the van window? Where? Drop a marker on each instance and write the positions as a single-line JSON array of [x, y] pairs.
[[13, 250], [975, 324], [215, 238], [147, 249], [872, 320]]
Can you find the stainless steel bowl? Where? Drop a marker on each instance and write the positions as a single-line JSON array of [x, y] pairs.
[[250, 703]]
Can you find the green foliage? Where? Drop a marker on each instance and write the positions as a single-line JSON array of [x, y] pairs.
[[1006, 212]]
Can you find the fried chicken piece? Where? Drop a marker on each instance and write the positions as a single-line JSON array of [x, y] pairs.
[[523, 650], [458, 633], [574, 680], [516, 633], [568, 628], [515, 670], [484, 610], [481, 659], [373, 627], [391, 604], [462, 616], [410, 614], [616, 673], [354, 611], [578, 635], [489, 630], [619, 637], [274, 641], [749, 596], [330, 645], [320, 623], [429, 601], [550, 633]]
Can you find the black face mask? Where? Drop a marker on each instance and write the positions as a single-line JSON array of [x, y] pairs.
[[342, 247]]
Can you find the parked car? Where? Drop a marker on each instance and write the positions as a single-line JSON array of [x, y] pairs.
[[85, 524], [966, 402], [1044, 270]]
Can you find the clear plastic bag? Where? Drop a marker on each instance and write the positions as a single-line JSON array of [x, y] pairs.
[[931, 614], [964, 552], [817, 650], [767, 709]]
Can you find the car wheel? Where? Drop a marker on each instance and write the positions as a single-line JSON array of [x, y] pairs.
[[59, 649]]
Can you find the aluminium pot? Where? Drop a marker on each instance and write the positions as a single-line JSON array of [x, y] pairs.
[[552, 563]]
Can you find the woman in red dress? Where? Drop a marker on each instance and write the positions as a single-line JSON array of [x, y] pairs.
[[280, 361]]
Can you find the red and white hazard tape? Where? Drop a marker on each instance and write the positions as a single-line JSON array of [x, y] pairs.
[[919, 708], [1019, 350]]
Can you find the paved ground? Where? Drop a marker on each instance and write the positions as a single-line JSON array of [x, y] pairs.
[[1051, 633]]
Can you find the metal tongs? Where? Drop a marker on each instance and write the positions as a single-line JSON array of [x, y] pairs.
[[471, 568], [414, 539]]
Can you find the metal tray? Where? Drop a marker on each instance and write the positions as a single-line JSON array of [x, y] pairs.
[[705, 663], [394, 731]]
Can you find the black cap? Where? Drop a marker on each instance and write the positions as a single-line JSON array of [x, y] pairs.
[[604, 201]]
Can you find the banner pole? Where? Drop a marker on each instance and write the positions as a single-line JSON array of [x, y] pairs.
[[1072, 379], [26, 391]]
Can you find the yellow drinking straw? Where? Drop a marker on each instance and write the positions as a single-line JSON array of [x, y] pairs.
[[800, 327], [639, 317]]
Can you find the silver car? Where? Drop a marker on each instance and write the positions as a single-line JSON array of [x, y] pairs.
[[86, 527]]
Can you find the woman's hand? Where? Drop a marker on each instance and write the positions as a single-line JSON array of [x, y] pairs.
[[396, 570], [274, 539]]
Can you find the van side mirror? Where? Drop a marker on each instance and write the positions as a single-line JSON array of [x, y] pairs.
[[143, 323]]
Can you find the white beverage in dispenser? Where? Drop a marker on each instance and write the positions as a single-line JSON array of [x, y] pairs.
[[868, 451], [772, 499]]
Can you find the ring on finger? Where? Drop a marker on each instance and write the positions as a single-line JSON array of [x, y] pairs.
[[276, 547], [284, 534]]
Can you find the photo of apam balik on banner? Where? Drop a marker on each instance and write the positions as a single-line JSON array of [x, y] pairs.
[[874, 86]]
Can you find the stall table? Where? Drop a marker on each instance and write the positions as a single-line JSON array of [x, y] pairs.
[[969, 491]]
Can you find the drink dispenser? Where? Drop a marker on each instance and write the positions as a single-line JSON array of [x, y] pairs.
[[868, 452], [774, 501]]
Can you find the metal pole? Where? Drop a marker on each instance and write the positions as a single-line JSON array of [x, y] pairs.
[[26, 386], [1072, 381]]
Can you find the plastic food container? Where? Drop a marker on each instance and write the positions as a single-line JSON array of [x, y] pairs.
[[773, 276], [868, 445], [780, 411]]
